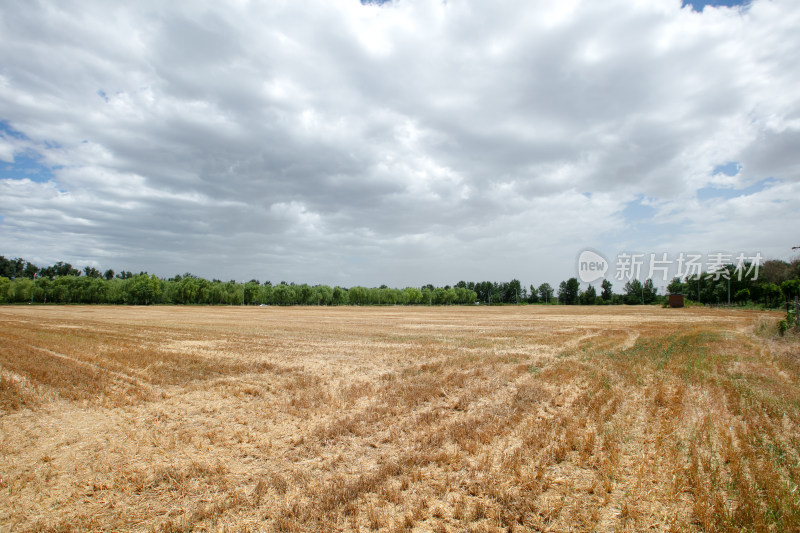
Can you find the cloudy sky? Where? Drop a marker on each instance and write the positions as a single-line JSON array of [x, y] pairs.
[[409, 142]]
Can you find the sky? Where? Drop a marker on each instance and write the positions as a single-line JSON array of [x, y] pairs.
[[405, 142]]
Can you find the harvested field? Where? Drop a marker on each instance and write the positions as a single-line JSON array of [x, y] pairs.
[[397, 419]]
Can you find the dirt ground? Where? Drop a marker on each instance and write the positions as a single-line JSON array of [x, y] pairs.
[[530, 418]]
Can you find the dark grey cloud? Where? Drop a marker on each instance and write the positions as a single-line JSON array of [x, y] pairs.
[[412, 142]]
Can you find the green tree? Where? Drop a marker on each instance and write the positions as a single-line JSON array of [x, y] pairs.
[[340, 296], [358, 295], [439, 296], [790, 289], [771, 295], [568, 291], [5, 286], [91, 272], [217, 292], [589, 296], [512, 291], [742, 296], [465, 296], [12, 268], [186, 290], [650, 292], [144, 289], [61, 269], [20, 290], [450, 296], [31, 270], [265, 293], [322, 295], [389, 296], [303, 294], [374, 296], [413, 296], [533, 295], [251, 291], [41, 290], [93, 290], [606, 292], [546, 292], [283, 294], [634, 292], [426, 296], [115, 291], [676, 286]]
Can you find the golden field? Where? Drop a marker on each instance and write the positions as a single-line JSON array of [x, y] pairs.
[[397, 419]]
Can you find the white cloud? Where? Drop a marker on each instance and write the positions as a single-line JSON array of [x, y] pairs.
[[407, 143], [6, 150]]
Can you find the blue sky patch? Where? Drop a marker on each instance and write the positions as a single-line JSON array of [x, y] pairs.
[[636, 211], [25, 166], [698, 5], [8, 131], [730, 168], [707, 193]]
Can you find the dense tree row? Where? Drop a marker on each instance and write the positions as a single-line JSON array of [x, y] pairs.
[[20, 281], [64, 284], [772, 285], [776, 284]]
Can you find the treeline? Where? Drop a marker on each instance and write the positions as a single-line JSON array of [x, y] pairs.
[[21, 281], [774, 284], [778, 283]]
